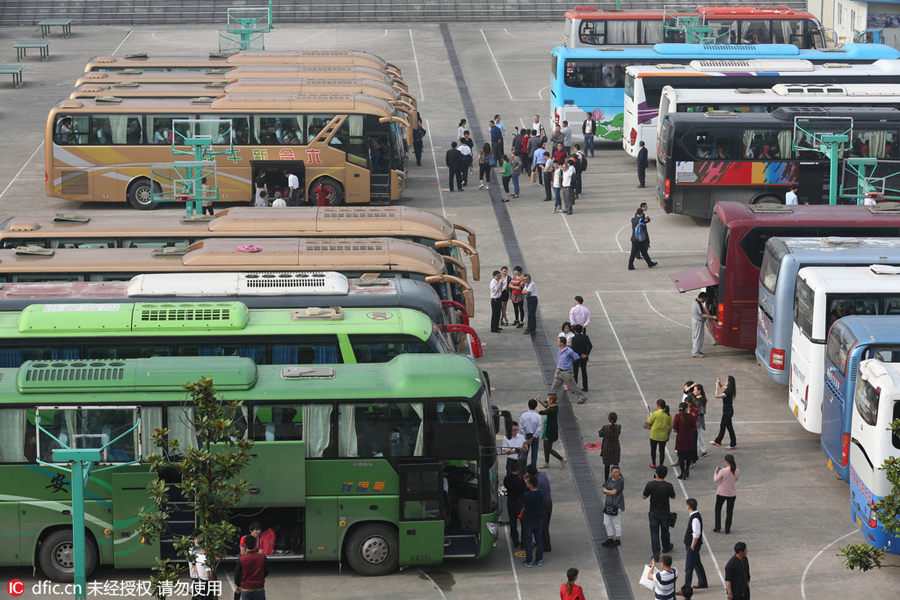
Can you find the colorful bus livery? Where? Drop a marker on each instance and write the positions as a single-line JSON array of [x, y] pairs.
[[363, 454]]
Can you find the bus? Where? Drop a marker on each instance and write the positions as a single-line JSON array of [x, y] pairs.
[[354, 257], [851, 341], [783, 259], [172, 230], [737, 241], [398, 456], [872, 442], [351, 143], [824, 295], [589, 26], [747, 157], [592, 80]]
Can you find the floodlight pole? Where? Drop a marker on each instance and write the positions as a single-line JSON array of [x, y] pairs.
[[831, 147]]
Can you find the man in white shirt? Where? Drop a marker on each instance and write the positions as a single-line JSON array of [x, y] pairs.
[[496, 304], [294, 186], [466, 152], [538, 126], [580, 314], [568, 191], [693, 539], [531, 425], [512, 447], [790, 198], [531, 303], [587, 128]]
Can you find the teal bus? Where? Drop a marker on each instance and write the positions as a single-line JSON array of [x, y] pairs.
[[313, 335], [377, 465]]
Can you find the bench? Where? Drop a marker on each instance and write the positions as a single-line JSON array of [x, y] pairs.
[[46, 24], [23, 45], [15, 71]]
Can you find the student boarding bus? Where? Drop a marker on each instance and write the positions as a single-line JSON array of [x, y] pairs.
[[589, 26], [872, 442], [592, 80], [351, 143], [369, 257], [171, 230], [737, 241], [823, 296], [851, 341], [397, 456], [748, 157], [783, 259]]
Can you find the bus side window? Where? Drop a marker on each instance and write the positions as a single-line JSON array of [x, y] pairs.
[[381, 430], [277, 423], [17, 436]]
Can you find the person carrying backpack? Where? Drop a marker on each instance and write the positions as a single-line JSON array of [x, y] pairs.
[[580, 162], [640, 239]]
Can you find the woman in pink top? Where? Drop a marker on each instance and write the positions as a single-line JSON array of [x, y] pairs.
[[726, 492]]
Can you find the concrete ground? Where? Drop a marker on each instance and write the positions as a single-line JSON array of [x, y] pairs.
[[791, 511]]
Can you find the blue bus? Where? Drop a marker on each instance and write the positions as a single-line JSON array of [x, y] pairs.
[[782, 260], [592, 80], [872, 442], [852, 340]]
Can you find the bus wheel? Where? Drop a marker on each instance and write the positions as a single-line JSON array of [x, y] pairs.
[[140, 196], [767, 199], [57, 556], [373, 550], [335, 191]]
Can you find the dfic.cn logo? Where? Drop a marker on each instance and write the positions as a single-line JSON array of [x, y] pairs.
[[15, 587]]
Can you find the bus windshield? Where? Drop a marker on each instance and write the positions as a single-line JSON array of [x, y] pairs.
[[771, 264], [867, 397], [840, 341], [718, 239]]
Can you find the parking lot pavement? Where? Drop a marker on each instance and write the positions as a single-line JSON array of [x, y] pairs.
[[791, 511]]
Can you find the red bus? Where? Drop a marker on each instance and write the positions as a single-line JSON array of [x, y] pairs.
[[737, 241]]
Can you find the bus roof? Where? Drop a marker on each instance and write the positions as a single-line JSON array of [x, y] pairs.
[[162, 379], [783, 92], [871, 328], [730, 212], [769, 68], [236, 73], [815, 245], [375, 255], [321, 221], [772, 12], [864, 52], [787, 114], [872, 278]]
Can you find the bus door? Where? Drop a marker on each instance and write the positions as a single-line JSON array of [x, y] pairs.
[[422, 509], [812, 178], [129, 493], [276, 180]]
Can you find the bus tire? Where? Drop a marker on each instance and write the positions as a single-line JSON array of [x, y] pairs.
[[57, 558], [335, 191], [373, 550], [767, 199], [139, 194]]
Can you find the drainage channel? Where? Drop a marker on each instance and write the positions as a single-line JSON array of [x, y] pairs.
[[610, 561]]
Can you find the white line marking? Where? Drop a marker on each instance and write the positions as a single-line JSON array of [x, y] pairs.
[[436, 586], [572, 235], [437, 175], [512, 562], [496, 64], [644, 400], [231, 583], [617, 238], [818, 554], [655, 251], [764, 422], [421, 97], [541, 92], [662, 315], [41, 145], [311, 36], [122, 42]]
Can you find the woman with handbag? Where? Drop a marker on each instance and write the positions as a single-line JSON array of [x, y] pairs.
[[484, 167], [614, 506], [611, 450], [685, 439]]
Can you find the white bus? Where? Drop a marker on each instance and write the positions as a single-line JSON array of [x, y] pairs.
[[872, 442], [644, 86], [822, 296]]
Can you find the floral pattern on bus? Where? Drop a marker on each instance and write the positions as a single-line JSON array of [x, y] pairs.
[[735, 173], [611, 129]]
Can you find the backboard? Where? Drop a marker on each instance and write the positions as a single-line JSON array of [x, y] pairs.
[[815, 133], [115, 430]]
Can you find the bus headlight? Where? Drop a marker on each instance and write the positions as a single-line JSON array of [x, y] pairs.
[[493, 527]]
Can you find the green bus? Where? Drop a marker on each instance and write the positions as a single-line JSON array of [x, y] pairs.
[[378, 465], [313, 335]]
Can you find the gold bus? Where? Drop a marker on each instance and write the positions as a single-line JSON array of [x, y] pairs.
[[171, 229], [351, 143], [353, 257]]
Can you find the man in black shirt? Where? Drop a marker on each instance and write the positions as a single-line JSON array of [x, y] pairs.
[[582, 346], [515, 489], [659, 491], [455, 166], [737, 574]]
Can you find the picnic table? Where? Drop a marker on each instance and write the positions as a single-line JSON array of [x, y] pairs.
[[23, 45], [15, 71], [46, 24]]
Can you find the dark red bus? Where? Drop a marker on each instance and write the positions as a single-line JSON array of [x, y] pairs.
[[737, 241]]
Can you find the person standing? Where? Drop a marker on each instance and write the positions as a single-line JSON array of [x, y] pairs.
[[579, 162], [737, 574], [516, 166], [538, 162], [514, 447], [505, 176], [790, 198], [531, 424], [582, 346], [495, 302], [505, 280], [726, 393], [613, 507], [685, 439], [568, 186], [534, 142], [293, 189], [559, 153], [461, 128], [557, 186], [564, 359], [699, 396], [543, 484], [640, 240], [642, 163], [693, 539], [251, 572], [261, 190], [465, 148], [455, 166], [663, 575], [517, 297], [419, 142], [611, 450], [699, 318], [537, 127], [568, 590], [587, 128], [484, 167], [532, 501], [580, 314], [496, 140], [557, 138], [660, 426], [551, 429], [726, 492], [515, 491], [660, 492], [567, 136], [531, 303]]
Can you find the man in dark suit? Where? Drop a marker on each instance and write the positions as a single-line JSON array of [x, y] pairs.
[[640, 239], [642, 163], [455, 165]]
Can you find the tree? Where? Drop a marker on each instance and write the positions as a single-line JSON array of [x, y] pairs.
[[208, 479], [863, 556]]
